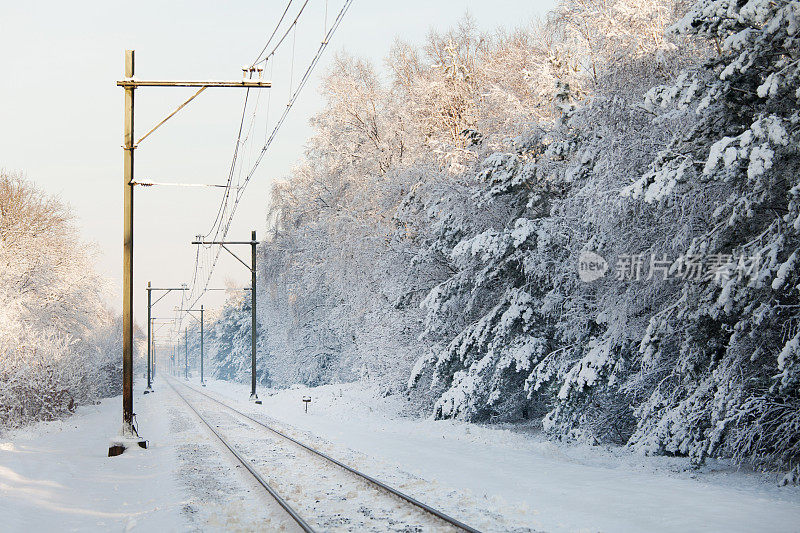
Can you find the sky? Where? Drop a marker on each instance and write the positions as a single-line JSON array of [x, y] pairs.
[[61, 113]]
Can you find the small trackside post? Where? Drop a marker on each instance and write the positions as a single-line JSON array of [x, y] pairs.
[[149, 388], [253, 333], [202, 381], [186, 353]]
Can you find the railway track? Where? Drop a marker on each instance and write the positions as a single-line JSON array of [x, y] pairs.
[[369, 516]]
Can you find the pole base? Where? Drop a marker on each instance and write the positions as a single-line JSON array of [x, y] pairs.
[[128, 438], [148, 390], [203, 383], [254, 399], [119, 445]]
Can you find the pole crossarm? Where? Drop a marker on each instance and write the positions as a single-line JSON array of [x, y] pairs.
[[158, 327], [223, 243], [168, 291], [249, 84], [226, 242], [195, 95], [189, 312]]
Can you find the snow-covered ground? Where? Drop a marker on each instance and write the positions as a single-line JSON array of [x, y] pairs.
[[56, 476], [528, 479]]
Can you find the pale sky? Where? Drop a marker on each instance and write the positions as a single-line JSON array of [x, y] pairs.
[[61, 112]]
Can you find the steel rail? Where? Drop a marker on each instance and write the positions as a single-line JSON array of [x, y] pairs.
[[286, 507], [425, 507]]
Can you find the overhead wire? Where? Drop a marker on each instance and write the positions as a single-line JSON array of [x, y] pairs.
[[274, 32], [295, 94], [218, 228], [226, 195], [283, 37], [224, 203]]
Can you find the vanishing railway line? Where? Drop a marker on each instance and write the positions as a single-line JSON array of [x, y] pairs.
[[330, 495]]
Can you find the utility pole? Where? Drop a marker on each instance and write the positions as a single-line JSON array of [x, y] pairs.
[[185, 353], [150, 305], [129, 434], [155, 328], [189, 312], [253, 244], [202, 377], [149, 388], [252, 267], [202, 323], [154, 358]]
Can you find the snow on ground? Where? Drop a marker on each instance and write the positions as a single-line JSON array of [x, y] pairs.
[[56, 476], [526, 478], [326, 496], [219, 494]]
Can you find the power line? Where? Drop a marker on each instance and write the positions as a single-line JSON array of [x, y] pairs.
[[306, 76], [226, 195], [293, 25], [223, 229], [277, 27], [285, 34]]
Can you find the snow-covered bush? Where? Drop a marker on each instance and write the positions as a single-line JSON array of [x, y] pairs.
[[58, 343]]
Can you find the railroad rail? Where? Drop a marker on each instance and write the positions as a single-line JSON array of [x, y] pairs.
[[263, 482], [360, 475]]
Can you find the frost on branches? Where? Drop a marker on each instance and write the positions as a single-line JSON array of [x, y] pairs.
[[725, 354], [227, 343], [702, 367], [59, 346], [429, 240]]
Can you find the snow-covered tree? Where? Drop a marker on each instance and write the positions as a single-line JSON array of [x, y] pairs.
[[430, 239], [59, 346], [725, 352], [228, 343]]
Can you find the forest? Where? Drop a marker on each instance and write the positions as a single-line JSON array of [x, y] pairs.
[[589, 223], [59, 341]]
